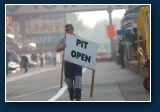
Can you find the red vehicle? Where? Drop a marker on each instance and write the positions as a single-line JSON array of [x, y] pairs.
[[103, 55], [146, 63]]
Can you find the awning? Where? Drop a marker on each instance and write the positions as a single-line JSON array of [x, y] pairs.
[[124, 31], [134, 10], [132, 14]]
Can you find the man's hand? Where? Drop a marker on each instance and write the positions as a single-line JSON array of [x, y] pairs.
[[63, 46], [60, 48]]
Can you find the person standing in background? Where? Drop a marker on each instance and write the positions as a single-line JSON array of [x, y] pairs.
[[24, 63], [49, 57], [54, 58], [41, 59], [121, 53], [45, 56], [14, 57], [7, 60]]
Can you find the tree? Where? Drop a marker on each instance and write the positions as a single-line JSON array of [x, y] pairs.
[[72, 18], [98, 33]]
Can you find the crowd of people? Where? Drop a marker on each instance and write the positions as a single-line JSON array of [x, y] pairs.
[[12, 56], [50, 57]]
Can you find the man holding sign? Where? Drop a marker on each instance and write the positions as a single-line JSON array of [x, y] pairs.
[[72, 71]]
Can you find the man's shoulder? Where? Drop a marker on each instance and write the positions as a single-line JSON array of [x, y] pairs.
[[72, 34], [61, 37]]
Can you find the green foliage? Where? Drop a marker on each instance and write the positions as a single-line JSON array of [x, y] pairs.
[[72, 18]]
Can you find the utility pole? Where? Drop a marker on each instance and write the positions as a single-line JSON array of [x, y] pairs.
[[109, 10]]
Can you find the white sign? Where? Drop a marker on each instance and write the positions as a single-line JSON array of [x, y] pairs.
[[81, 51], [28, 9]]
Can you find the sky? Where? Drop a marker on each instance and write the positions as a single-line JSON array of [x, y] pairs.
[[90, 19]]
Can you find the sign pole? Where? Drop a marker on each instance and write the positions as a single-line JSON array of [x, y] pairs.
[[110, 23], [92, 83], [62, 74], [61, 82]]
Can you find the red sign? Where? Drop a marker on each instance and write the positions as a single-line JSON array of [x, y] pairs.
[[111, 32]]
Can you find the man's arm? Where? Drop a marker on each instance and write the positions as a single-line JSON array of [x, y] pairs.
[[60, 48]]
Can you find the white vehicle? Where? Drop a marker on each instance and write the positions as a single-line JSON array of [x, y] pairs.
[[13, 65]]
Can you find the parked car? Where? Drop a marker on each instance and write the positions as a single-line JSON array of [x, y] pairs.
[[103, 55]]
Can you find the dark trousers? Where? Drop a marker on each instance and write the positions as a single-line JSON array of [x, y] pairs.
[[121, 58], [49, 60], [46, 61], [54, 61], [25, 66], [41, 62], [73, 73]]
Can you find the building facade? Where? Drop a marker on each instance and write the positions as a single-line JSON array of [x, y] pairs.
[[41, 28]]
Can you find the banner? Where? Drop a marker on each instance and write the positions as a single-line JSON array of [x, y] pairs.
[[81, 51], [28, 9]]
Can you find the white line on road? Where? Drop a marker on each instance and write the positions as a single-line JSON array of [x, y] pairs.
[[62, 90], [27, 75], [33, 92], [84, 70]]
